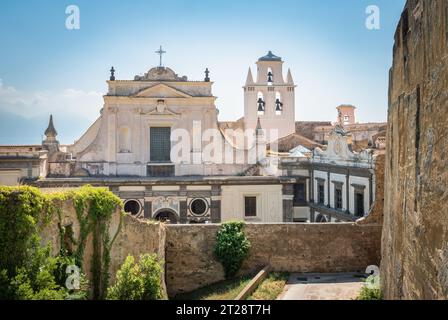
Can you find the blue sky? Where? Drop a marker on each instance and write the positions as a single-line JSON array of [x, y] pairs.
[[45, 68]]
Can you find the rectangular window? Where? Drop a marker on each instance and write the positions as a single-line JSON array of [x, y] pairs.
[[359, 204], [250, 206], [321, 193], [160, 144], [299, 195], [338, 197]]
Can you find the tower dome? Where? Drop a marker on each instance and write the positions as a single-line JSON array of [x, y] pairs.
[[270, 57]]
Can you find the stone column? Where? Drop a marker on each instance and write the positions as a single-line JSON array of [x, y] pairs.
[[288, 208], [347, 186], [312, 215], [215, 205], [215, 211], [183, 208], [148, 210], [328, 189], [311, 186]]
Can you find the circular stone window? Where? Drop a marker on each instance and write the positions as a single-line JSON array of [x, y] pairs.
[[133, 207], [198, 207]]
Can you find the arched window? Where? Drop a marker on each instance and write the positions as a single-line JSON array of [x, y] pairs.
[[278, 103], [260, 104], [270, 76], [124, 140]]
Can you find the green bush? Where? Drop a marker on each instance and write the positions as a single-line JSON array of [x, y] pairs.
[[232, 247], [35, 279], [20, 214], [27, 271], [138, 281], [371, 289]]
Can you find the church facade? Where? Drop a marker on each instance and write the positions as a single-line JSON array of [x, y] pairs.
[[159, 146]]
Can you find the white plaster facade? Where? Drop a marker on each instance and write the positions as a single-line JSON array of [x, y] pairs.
[[269, 202], [118, 143]]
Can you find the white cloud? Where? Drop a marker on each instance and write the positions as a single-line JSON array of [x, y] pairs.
[[37, 103]]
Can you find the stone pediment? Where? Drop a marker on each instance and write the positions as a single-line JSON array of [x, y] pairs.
[[161, 91]]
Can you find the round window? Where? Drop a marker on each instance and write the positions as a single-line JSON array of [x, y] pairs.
[[198, 207], [133, 207]]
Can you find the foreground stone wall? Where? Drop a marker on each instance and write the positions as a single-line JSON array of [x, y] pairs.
[[187, 250], [415, 234], [341, 247], [134, 237], [137, 237]]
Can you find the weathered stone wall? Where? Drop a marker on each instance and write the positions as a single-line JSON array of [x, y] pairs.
[[341, 247], [187, 250], [134, 237], [137, 237], [415, 233]]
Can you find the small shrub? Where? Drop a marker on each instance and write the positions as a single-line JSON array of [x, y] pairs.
[[232, 247], [36, 280], [151, 271], [371, 289], [138, 281]]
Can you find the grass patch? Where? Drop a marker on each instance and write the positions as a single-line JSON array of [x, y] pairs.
[[271, 287], [223, 290]]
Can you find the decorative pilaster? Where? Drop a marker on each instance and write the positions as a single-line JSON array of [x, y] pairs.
[[347, 184], [148, 210], [288, 206], [215, 211], [183, 208]]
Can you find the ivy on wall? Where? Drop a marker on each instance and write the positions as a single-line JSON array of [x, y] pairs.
[[25, 211]]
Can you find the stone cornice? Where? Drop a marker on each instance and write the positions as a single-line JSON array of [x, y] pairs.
[[134, 82], [139, 100]]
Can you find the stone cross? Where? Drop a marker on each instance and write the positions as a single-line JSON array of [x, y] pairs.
[[207, 78], [160, 52]]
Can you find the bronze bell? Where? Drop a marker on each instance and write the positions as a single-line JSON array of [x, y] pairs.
[[260, 104], [270, 76], [278, 105]]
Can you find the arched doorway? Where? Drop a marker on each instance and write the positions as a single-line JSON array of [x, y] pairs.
[[166, 215]]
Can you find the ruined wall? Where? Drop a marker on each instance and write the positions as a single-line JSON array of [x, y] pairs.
[[415, 232], [134, 237], [341, 247], [187, 250], [137, 237]]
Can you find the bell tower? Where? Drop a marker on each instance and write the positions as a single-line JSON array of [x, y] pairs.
[[270, 98]]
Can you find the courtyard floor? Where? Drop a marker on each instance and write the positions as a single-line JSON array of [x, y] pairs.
[[319, 286]]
